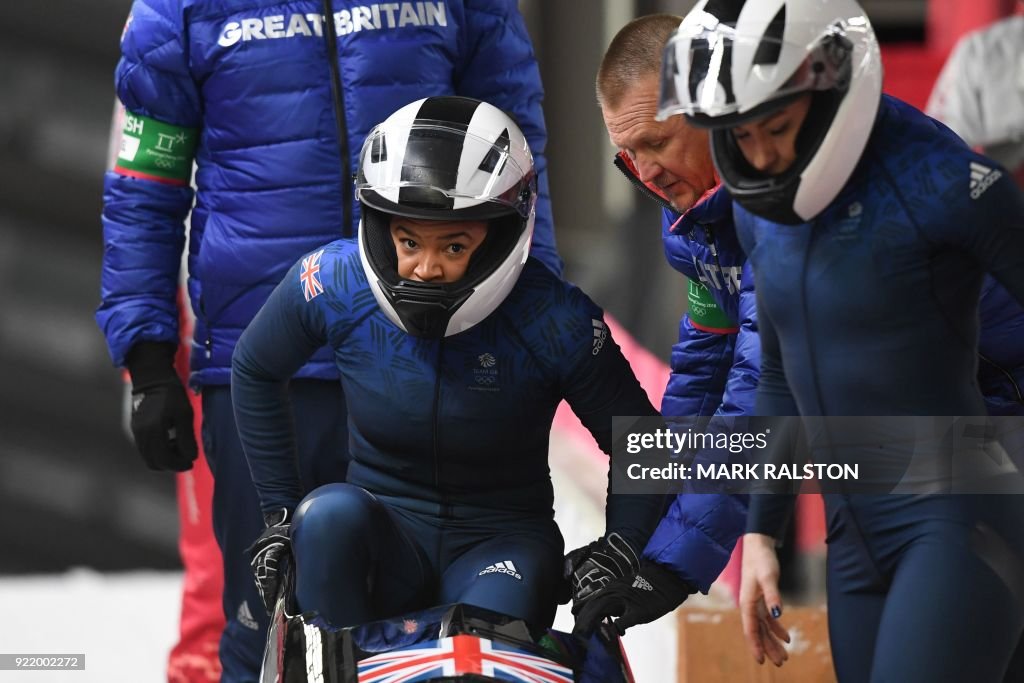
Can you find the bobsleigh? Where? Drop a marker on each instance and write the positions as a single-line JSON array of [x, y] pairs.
[[447, 643]]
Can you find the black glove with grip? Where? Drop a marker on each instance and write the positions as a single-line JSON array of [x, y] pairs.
[[161, 413], [270, 556], [594, 566], [639, 599]]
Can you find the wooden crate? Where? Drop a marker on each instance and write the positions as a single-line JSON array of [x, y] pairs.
[[712, 648]]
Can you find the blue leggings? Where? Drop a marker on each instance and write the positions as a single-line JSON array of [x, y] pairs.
[[359, 558], [322, 439], [926, 588]]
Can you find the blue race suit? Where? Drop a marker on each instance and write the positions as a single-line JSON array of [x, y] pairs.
[[703, 246], [871, 309], [449, 440], [281, 112]]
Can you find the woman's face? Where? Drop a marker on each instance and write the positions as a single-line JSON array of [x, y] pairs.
[[769, 144], [435, 251]]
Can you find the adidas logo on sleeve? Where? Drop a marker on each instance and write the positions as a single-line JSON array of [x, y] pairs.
[[600, 334], [982, 178], [505, 567]]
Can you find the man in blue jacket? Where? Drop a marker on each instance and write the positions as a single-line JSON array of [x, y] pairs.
[[271, 104], [714, 366]]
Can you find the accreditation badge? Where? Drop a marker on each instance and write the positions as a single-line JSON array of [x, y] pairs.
[[157, 151]]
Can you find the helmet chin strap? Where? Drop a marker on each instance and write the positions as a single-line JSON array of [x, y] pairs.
[[424, 307]]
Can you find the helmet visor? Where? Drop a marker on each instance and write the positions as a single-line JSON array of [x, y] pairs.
[[437, 170], [699, 78]]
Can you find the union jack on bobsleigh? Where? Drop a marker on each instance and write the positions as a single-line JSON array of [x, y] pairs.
[[449, 643]]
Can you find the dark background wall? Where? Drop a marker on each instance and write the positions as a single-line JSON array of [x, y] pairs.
[[72, 490]]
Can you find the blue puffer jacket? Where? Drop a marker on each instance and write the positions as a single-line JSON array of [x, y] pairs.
[[701, 244], [714, 371], [273, 156], [699, 531]]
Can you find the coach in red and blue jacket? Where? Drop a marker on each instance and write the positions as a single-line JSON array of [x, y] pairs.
[[271, 102], [714, 371], [714, 365]]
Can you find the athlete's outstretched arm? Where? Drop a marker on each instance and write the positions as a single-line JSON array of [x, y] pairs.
[[598, 385], [760, 601], [280, 339]]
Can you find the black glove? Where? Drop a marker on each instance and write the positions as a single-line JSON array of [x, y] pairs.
[[639, 599], [161, 413], [270, 555], [592, 567]]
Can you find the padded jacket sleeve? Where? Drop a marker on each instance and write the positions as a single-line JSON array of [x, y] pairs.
[[143, 219], [700, 360], [697, 535]]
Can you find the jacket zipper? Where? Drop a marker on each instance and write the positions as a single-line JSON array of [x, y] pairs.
[[208, 339], [818, 399], [709, 235], [338, 101], [644, 190], [444, 507]]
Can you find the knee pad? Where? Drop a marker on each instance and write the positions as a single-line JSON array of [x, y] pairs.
[[332, 513]]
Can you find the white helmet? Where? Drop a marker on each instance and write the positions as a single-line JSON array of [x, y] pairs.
[[446, 158], [732, 61]]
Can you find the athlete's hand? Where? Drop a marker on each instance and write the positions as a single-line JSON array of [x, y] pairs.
[[760, 603], [161, 420], [635, 599], [594, 566], [270, 554]]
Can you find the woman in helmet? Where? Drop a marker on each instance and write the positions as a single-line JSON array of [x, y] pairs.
[[454, 350], [869, 227]]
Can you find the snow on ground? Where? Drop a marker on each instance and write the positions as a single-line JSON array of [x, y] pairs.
[[124, 624]]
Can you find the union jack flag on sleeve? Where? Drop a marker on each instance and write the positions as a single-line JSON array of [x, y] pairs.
[[309, 276]]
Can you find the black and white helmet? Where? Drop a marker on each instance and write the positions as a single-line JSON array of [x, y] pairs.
[[446, 158], [732, 61]]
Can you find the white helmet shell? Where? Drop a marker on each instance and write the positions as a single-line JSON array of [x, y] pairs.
[[446, 159], [732, 61]]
